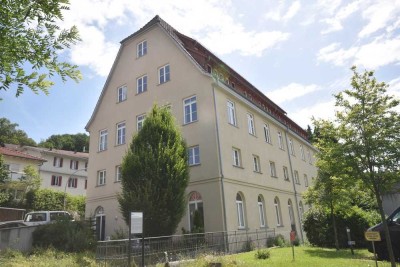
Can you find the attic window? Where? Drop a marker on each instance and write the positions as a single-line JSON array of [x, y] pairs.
[[209, 69], [233, 85]]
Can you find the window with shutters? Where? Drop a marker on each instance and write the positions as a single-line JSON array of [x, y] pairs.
[[58, 162], [74, 164], [73, 182], [56, 180]]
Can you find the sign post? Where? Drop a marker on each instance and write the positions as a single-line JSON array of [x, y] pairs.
[[135, 227], [292, 239], [373, 236]]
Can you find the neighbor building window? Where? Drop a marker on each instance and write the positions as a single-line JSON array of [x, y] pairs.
[[121, 94], [291, 147], [303, 157], [250, 124], [272, 168], [103, 140], [164, 74], [141, 84], [140, 121], [194, 155], [142, 49], [121, 129], [58, 162], [240, 211], [74, 164], [256, 163], [305, 180], [236, 157], [73, 182], [231, 113], [118, 173], [56, 180], [296, 177], [261, 211], [285, 173], [190, 109], [277, 207], [267, 133], [101, 177], [280, 140]]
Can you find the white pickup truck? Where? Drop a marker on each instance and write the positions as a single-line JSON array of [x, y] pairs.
[[44, 217]]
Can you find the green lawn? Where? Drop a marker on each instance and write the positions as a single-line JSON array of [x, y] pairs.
[[304, 257]]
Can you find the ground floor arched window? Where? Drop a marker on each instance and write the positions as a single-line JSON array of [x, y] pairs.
[[240, 210], [100, 218], [196, 213]]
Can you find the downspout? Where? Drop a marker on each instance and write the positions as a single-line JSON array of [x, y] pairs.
[[293, 183], [220, 164]]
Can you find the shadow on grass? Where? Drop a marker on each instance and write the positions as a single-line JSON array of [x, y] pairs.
[[337, 254]]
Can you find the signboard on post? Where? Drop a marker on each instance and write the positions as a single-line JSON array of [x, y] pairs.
[[372, 236], [136, 222]]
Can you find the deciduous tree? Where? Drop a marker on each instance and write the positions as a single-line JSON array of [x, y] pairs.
[[155, 174], [9, 134]]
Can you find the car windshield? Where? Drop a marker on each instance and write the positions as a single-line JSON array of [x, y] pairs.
[[396, 217], [36, 217]]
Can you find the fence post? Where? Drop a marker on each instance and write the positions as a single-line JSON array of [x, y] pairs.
[[258, 243], [236, 247]]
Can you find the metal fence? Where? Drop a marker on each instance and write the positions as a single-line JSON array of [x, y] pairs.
[[177, 247]]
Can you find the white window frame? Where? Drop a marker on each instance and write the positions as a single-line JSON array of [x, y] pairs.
[[285, 173], [261, 211], [190, 110], [267, 133], [194, 155], [141, 84], [303, 156], [277, 212], [103, 135], [231, 113], [240, 212], [296, 177], [141, 49], [237, 161], [291, 147], [121, 133], [164, 74], [72, 182], [280, 140], [250, 124], [291, 212], [58, 162], [272, 168], [118, 173], [140, 121], [74, 164], [121, 93], [256, 164], [101, 177]]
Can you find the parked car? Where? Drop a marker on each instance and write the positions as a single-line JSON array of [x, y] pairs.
[[393, 222], [12, 224], [45, 217]]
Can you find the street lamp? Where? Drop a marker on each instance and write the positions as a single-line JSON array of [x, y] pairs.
[[65, 187]]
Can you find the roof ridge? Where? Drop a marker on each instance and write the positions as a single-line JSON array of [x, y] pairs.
[[17, 153]]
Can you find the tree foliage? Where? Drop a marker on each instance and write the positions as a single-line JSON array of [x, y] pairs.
[[30, 38], [4, 178], [9, 134], [73, 142], [155, 175]]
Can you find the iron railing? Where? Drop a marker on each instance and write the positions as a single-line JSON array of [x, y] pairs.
[[177, 247]]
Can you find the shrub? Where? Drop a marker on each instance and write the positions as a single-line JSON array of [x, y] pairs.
[[65, 235], [248, 246], [319, 229], [262, 254]]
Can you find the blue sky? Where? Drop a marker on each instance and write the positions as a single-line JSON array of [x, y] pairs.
[[298, 53]]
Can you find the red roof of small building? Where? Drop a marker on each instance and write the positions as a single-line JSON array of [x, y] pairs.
[[18, 154]]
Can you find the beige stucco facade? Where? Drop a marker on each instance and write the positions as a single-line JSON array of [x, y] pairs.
[[215, 178]]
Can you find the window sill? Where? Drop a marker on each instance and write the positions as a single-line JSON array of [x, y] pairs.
[[121, 101], [140, 93], [233, 125], [274, 176], [117, 145], [100, 185], [187, 123], [240, 167], [254, 135], [287, 180], [163, 82], [259, 172], [99, 151], [194, 165], [117, 182]]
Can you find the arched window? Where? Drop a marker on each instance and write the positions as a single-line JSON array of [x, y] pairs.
[[277, 211], [100, 223], [196, 212], [261, 210], [291, 213], [240, 210], [301, 210]]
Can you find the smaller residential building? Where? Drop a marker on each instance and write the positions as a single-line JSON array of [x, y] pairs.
[[61, 170]]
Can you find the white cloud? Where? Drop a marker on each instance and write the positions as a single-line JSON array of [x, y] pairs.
[[335, 22], [291, 92], [211, 22], [322, 110], [333, 54], [281, 13], [379, 15]]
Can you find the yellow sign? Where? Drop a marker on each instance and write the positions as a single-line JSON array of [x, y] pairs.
[[372, 236]]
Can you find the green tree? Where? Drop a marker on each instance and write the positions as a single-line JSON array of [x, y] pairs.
[[73, 142], [369, 130], [30, 39], [4, 179], [30, 181], [9, 134], [155, 174]]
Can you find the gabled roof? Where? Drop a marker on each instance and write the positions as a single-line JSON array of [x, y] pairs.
[[212, 65], [18, 154], [52, 151]]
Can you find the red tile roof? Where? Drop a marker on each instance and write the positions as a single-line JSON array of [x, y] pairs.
[[15, 153]]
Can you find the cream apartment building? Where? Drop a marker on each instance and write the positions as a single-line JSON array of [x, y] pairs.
[[249, 163], [62, 170]]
